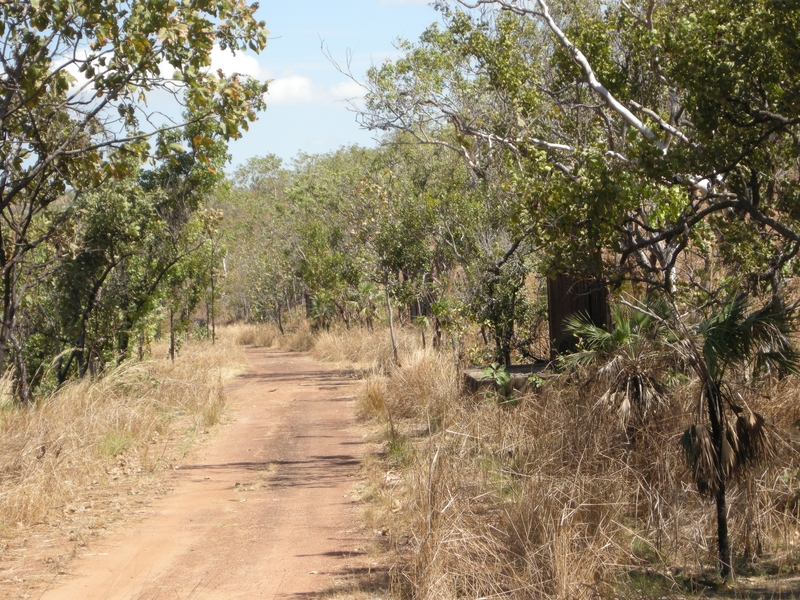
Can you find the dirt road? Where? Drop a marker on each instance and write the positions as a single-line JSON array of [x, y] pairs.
[[264, 511]]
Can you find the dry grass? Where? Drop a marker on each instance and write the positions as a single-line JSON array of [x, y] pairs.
[[367, 349], [260, 335], [550, 498], [553, 499], [298, 338], [89, 434], [421, 388]]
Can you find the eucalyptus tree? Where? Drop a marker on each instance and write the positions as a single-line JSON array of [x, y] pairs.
[[327, 193], [117, 222], [74, 106], [119, 254], [182, 186]]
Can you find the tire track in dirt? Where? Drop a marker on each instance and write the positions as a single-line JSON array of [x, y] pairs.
[[267, 509]]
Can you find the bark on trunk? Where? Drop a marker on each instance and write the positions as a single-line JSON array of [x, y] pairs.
[[279, 317], [9, 312], [723, 542], [213, 313], [717, 437], [391, 327], [171, 336]]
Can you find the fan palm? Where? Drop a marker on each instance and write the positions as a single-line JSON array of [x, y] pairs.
[[726, 436], [632, 355], [323, 309]]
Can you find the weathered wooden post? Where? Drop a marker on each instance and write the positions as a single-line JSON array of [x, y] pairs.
[[567, 296]]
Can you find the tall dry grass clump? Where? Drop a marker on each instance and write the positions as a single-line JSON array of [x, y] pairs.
[[259, 335], [298, 338], [513, 502], [423, 388], [551, 495], [130, 422], [370, 349]]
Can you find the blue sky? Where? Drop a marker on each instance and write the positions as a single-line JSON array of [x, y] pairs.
[[306, 104]]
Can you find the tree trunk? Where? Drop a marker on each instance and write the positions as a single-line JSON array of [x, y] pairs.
[[22, 385], [213, 312], [80, 356], [123, 341], [723, 542], [391, 327], [345, 314], [422, 325], [279, 317], [171, 336], [9, 312], [717, 437], [208, 321]]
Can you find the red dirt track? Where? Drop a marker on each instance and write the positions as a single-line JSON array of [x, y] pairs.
[[266, 510]]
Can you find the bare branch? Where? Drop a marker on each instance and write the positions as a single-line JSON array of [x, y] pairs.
[[662, 123]]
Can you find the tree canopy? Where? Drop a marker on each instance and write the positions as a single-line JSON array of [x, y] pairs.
[[82, 107]]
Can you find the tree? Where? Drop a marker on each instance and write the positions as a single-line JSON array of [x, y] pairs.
[[73, 105], [651, 144], [575, 111], [727, 436], [258, 232]]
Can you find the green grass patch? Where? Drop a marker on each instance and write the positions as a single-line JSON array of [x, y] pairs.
[[115, 443]]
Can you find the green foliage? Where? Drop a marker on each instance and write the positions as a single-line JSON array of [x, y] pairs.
[[735, 337], [89, 240], [114, 443], [632, 358], [503, 393]]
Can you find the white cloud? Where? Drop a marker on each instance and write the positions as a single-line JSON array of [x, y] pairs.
[[294, 89], [227, 62], [241, 63], [298, 89], [167, 70]]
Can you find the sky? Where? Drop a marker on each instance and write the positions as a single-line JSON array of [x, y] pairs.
[[307, 108]]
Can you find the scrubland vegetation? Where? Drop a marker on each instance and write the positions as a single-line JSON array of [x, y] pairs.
[[561, 492], [607, 186], [556, 495], [610, 187]]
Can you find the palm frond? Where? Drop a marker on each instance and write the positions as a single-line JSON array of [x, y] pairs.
[[699, 452], [771, 330], [755, 442], [591, 336], [630, 354], [725, 340], [580, 358], [733, 337]]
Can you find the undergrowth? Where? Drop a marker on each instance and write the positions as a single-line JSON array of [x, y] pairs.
[[297, 336], [131, 422], [554, 497]]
